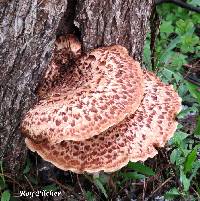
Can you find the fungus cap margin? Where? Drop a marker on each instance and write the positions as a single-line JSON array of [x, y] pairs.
[[104, 87], [134, 139]]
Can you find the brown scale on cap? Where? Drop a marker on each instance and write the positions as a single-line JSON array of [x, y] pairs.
[[134, 139], [98, 92], [69, 43], [67, 48]]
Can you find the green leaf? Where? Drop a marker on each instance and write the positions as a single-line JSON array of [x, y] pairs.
[[183, 27], [175, 155], [165, 57], [51, 187], [100, 186], [2, 184], [172, 194], [167, 53], [188, 43], [178, 60], [197, 146], [195, 168], [173, 43], [132, 175], [89, 195], [178, 77], [141, 168], [189, 161], [178, 137], [180, 161], [147, 54], [182, 90], [5, 196], [167, 73], [195, 2], [104, 178], [166, 27], [187, 111], [185, 181], [197, 129], [193, 89]]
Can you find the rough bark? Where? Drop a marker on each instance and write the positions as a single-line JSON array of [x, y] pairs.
[[27, 33], [109, 22]]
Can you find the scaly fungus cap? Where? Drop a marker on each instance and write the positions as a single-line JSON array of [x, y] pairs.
[[67, 48], [134, 139], [98, 92], [69, 42]]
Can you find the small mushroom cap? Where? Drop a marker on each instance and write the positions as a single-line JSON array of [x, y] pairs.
[[67, 48], [69, 42], [134, 139], [103, 88]]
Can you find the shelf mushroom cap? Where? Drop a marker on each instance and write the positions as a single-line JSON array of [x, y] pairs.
[[104, 87], [134, 139]]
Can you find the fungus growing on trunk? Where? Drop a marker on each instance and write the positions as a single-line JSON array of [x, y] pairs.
[[103, 112], [99, 91], [134, 139], [66, 50]]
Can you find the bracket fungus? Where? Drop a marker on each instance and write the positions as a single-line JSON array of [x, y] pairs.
[[101, 89], [107, 112]]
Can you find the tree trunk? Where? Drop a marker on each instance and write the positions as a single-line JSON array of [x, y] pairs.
[[108, 22], [27, 33]]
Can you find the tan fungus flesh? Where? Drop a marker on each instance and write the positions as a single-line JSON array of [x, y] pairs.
[[134, 139], [103, 88], [67, 48]]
